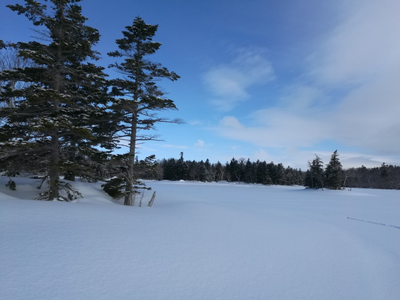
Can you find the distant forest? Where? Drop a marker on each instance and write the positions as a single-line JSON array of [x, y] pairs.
[[261, 172]]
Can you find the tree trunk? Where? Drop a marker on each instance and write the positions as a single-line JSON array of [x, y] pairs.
[[54, 169], [130, 178]]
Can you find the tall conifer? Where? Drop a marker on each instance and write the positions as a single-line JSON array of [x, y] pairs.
[[52, 124], [315, 174], [333, 172], [138, 98]]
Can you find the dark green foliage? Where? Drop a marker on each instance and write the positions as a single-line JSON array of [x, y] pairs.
[[59, 118], [219, 172], [117, 165], [202, 171], [137, 97], [315, 174], [234, 171], [181, 168], [334, 173], [383, 177], [169, 169], [114, 187], [262, 173]]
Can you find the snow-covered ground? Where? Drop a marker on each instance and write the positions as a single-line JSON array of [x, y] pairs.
[[201, 241]]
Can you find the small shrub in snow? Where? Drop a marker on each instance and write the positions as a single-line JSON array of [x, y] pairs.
[[11, 185]]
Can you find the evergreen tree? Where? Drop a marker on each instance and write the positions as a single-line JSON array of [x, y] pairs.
[[308, 181], [273, 173], [280, 175], [263, 176], [210, 176], [138, 98], [61, 102], [202, 171], [315, 174], [333, 173], [233, 169], [219, 172], [181, 168], [169, 169], [248, 172], [384, 176]]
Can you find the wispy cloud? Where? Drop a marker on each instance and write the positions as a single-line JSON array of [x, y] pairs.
[[195, 123], [201, 145], [363, 46], [351, 96], [229, 83], [363, 53]]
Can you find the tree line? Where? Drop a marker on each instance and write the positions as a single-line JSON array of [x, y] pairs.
[[234, 171], [333, 176], [317, 176], [59, 112]]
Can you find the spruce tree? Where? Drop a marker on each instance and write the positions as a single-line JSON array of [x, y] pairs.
[[262, 172], [181, 168], [64, 99], [138, 98], [315, 174], [219, 172], [333, 173], [248, 172]]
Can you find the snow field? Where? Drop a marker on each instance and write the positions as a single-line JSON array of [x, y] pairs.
[[201, 241]]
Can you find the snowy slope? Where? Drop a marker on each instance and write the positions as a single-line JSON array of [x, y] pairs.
[[202, 241]]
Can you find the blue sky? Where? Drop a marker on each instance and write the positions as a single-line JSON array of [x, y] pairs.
[[272, 80]]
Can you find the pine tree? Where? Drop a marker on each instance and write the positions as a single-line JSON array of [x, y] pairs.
[[138, 98], [219, 172], [249, 172], [315, 174], [384, 176], [181, 168], [64, 99], [263, 176], [202, 171], [333, 173]]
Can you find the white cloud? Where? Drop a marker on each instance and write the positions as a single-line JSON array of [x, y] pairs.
[[369, 116], [351, 97], [195, 123], [365, 45], [199, 143], [365, 51], [229, 83], [262, 155], [280, 129]]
